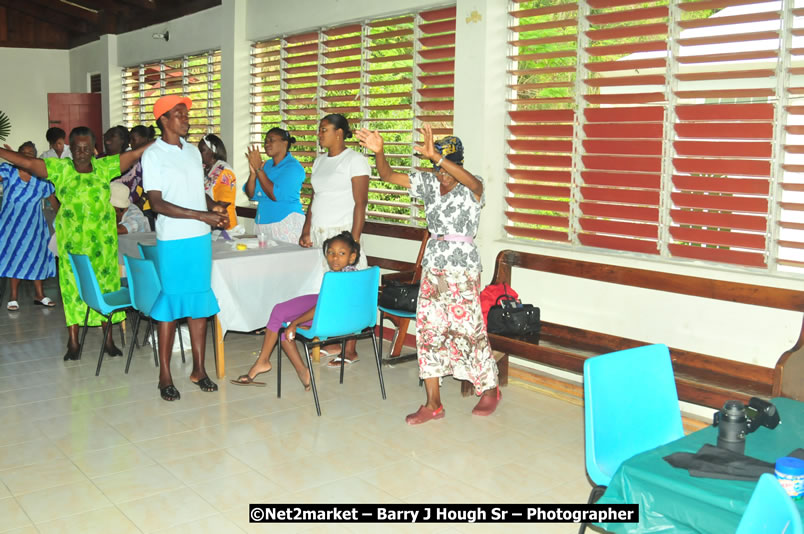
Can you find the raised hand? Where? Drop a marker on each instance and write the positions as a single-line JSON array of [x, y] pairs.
[[427, 148], [253, 157], [371, 140]]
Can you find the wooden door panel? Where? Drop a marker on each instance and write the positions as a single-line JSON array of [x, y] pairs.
[[69, 110]]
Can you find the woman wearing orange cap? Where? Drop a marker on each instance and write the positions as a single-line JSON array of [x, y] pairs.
[[85, 223], [173, 176]]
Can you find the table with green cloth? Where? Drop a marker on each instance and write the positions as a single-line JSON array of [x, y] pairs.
[[671, 500]]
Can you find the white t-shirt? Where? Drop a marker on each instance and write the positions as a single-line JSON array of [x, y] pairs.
[[51, 153], [179, 175], [334, 203]]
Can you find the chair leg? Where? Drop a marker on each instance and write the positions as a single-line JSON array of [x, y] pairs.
[[378, 358], [312, 378], [147, 332], [153, 341], [382, 332], [343, 357], [181, 341], [279, 363], [83, 334], [133, 341], [122, 330], [596, 493], [103, 343], [214, 337]]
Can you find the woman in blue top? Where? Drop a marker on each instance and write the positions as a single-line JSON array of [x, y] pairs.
[[23, 231], [276, 187]]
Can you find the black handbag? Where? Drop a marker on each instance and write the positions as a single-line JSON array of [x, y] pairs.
[[509, 317], [399, 296]]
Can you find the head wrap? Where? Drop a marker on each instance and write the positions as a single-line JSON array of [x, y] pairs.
[[451, 148]]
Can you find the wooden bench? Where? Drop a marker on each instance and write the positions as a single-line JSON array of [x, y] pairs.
[[702, 379]]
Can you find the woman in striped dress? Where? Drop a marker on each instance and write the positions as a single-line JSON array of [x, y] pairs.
[[23, 231]]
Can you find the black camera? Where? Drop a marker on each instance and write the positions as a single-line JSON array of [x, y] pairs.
[[735, 421]]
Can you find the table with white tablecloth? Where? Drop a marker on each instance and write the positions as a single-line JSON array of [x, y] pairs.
[[249, 283]]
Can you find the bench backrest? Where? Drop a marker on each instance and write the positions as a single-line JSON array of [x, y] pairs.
[[785, 379]]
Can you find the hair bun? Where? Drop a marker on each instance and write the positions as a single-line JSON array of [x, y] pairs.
[[291, 139], [347, 134]]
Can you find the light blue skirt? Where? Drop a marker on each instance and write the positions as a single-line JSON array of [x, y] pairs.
[[185, 271]]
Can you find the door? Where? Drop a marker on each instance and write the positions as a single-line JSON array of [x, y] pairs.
[[68, 110]]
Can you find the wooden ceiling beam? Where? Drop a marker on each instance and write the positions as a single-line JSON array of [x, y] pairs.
[[144, 4], [69, 10], [45, 15]]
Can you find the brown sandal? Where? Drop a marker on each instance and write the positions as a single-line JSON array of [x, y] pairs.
[[245, 380]]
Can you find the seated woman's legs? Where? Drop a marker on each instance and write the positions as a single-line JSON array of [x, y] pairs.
[[282, 313]]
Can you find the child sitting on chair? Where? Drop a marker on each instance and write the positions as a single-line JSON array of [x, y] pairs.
[[342, 253]]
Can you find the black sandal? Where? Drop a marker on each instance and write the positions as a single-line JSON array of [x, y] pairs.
[[169, 393], [206, 385]]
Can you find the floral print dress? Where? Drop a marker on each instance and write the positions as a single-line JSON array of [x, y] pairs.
[[85, 224], [451, 336]]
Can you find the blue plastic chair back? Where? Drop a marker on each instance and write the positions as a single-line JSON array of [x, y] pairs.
[[88, 287], [149, 253], [346, 304], [143, 283], [770, 510], [630, 406]]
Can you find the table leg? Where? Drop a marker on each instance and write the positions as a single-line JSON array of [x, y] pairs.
[[316, 353], [220, 364]]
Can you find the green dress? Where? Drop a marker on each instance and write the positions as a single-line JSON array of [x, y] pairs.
[[85, 224]]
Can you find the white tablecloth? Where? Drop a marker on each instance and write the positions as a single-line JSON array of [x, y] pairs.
[[249, 283]]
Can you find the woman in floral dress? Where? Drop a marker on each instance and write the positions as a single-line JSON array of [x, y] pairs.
[[451, 337], [85, 223]]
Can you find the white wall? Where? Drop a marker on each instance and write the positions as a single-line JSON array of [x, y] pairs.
[[30, 74]]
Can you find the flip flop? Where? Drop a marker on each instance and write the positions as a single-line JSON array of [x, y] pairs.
[[245, 380], [336, 362], [13, 305], [206, 385], [45, 302]]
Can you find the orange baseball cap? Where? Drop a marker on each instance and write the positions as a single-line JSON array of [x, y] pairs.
[[168, 102]]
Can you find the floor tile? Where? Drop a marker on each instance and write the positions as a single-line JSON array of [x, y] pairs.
[[12, 514], [41, 476], [95, 522], [61, 501], [167, 509], [137, 483]]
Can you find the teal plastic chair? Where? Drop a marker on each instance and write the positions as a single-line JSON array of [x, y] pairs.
[[104, 303], [630, 406], [144, 288], [149, 253], [770, 510], [346, 309]]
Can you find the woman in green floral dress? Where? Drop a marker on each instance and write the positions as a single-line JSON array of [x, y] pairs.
[[85, 223]]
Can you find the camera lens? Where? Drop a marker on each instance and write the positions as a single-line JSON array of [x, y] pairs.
[[732, 427]]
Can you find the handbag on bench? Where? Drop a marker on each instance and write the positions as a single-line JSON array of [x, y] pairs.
[[509, 317], [400, 296]]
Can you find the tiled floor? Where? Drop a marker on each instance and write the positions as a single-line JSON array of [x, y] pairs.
[[80, 453]]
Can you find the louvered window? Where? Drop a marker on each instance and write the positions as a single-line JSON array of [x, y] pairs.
[[196, 76], [666, 128], [387, 74]]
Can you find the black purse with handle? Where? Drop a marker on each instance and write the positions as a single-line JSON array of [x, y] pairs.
[[400, 296], [509, 317]]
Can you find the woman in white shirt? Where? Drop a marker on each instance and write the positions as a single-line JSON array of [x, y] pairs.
[[340, 181]]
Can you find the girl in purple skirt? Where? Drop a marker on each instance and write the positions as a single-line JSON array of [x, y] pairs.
[[342, 253]]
